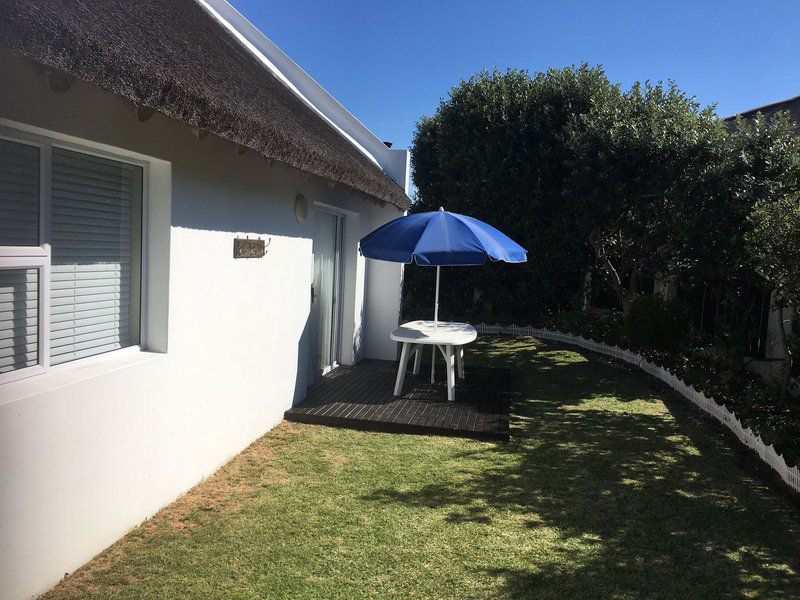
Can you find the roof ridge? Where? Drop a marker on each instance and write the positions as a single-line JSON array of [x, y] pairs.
[[771, 105]]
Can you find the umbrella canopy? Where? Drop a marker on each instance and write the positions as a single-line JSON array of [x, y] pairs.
[[440, 238]]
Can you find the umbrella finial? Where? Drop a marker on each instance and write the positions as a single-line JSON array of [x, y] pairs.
[[441, 208]]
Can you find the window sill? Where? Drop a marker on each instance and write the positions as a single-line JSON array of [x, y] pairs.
[[72, 373]]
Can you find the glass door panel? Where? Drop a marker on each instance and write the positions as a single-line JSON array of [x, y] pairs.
[[325, 291]]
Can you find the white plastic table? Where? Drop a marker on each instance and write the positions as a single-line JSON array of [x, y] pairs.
[[449, 338]]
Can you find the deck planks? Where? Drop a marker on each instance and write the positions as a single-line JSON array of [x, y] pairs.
[[360, 397]]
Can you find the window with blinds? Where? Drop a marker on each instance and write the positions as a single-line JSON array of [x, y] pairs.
[[95, 227], [19, 319], [19, 194], [70, 255], [19, 275]]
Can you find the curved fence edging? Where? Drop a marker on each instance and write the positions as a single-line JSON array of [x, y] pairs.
[[767, 453]]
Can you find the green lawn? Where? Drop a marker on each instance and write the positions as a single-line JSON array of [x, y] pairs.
[[605, 491]]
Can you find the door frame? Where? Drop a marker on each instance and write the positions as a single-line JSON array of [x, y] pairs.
[[338, 293]]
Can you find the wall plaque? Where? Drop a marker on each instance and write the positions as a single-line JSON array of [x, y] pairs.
[[247, 248]]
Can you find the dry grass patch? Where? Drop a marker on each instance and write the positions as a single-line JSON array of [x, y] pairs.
[[335, 459], [224, 492]]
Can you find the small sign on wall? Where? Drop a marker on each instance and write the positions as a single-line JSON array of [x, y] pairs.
[[247, 248]]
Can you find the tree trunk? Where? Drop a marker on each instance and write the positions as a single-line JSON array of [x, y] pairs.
[[787, 356], [633, 287], [623, 295], [625, 301], [585, 293]]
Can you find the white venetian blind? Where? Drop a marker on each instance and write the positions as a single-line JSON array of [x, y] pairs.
[[19, 319], [19, 194], [19, 226], [96, 255]]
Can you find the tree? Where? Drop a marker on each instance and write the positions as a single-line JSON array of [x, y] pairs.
[[772, 185], [774, 243], [497, 149], [586, 176], [638, 161], [758, 161]]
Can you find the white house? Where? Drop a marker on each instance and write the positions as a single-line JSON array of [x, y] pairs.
[[140, 143]]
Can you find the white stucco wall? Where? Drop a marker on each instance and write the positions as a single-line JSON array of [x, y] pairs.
[[89, 452], [382, 307]]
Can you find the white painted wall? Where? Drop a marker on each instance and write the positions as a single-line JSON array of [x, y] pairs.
[[383, 307], [89, 452]]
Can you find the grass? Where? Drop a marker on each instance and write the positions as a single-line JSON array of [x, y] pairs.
[[607, 490]]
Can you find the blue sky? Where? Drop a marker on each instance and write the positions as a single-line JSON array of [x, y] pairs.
[[390, 62]]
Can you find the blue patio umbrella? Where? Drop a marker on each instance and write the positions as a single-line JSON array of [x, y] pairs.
[[440, 239]]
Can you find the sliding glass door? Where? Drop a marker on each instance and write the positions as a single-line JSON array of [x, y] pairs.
[[326, 291]]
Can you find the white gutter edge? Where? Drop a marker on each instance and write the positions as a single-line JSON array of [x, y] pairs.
[[395, 163]]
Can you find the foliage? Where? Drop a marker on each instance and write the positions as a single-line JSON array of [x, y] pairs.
[[642, 183], [774, 244], [760, 161], [638, 161], [655, 323], [595, 324], [497, 149], [603, 491], [718, 246], [639, 184]]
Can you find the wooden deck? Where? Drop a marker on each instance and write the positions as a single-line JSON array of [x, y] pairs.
[[361, 397]]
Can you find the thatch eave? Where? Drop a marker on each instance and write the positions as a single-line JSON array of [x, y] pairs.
[[171, 56]]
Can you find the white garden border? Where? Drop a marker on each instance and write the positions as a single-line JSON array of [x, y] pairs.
[[719, 411]]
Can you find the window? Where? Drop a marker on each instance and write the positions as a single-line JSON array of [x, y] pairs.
[[70, 255], [19, 323]]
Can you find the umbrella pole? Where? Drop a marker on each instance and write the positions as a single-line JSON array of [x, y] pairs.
[[436, 305], [435, 323]]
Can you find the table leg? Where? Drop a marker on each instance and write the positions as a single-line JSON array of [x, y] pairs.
[[417, 359], [460, 357], [401, 369], [451, 375], [433, 363]]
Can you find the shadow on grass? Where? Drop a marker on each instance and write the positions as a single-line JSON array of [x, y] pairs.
[[646, 501]]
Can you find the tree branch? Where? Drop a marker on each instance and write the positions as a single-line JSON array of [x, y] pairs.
[[613, 274]]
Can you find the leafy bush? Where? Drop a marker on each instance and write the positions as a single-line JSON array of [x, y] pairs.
[[774, 244], [655, 323], [594, 324], [495, 150]]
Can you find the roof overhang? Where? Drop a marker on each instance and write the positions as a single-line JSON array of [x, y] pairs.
[[395, 163], [201, 62]]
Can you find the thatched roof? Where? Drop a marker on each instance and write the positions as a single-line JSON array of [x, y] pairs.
[[172, 56], [791, 106]]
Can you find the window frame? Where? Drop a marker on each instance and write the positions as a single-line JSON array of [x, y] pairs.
[[40, 262], [39, 257]]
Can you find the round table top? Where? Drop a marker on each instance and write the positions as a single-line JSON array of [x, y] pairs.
[[423, 332]]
